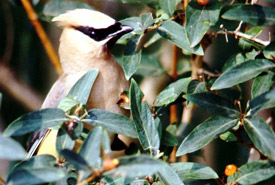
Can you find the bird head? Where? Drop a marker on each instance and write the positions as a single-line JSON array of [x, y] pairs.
[[88, 31]]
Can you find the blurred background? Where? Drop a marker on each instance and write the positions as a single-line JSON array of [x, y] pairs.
[[26, 73]]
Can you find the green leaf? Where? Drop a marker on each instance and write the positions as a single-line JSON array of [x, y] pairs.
[[147, 20], [63, 141], [261, 135], [235, 59], [169, 176], [241, 73], [140, 182], [189, 170], [150, 66], [262, 84], [10, 149], [144, 122], [90, 150], [131, 57], [1, 99], [253, 172], [196, 86], [106, 143], [176, 33], [136, 166], [251, 14], [199, 19], [172, 92], [245, 44], [57, 7], [168, 6], [81, 90], [269, 51], [67, 103], [168, 139], [35, 176], [111, 121], [263, 101], [228, 136], [75, 159], [205, 133], [251, 55], [214, 104], [36, 121]]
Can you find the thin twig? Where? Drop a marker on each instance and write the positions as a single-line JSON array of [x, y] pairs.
[[89, 179], [42, 35], [2, 181]]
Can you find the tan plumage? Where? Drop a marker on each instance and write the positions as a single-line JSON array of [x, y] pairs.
[[80, 53]]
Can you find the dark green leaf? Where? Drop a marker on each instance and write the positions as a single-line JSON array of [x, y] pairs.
[[168, 6], [146, 20], [143, 119], [90, 150], [112, 122], [263, 101], [131, 57], [136, 166], [10, 149], [1, 99], [169, 176], [177, 34], [205, 133], [234, 60], [199, 19], [251, 14], [269, 51], [242, 72], [172, 92], [168, 139], [75, 159], [261, 135], [35, 121], [63, 141], [196, 86], [228, 136], [35, 176], [150, 66], [37, 162], [189, 170], [57, 7], [253, 172], [213, 104], [245, 44], [81, 90], [262, 84]]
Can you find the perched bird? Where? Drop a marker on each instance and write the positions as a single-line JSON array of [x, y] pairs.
[[85, 44]]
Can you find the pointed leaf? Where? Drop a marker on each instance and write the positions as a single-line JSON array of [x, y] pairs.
[[245, 44], [10, 149], [213, 104], [106, 143], [169, 176], [253, 172], [261, 135], [176, 33], [262, 84], [242, 72], [147, 20], [168, 6], [90, 149], [251, 14], [172, 92], [189, 170], [36, 121], [35, 176], [81, 90], [199, 19], [75, 159], [269, 51], [150, 66], [234, 60], [228, 136], [144, 122], [168, 139], [205, 133], [111, 121], [63, 141], [261, 102]]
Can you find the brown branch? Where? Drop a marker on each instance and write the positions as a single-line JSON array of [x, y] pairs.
[[20, 91], [42, 35], [2, 181]]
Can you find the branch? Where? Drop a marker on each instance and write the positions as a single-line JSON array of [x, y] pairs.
[[20, 91], [42, 35]]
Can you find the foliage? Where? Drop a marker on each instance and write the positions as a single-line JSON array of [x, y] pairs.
[[147, 160]]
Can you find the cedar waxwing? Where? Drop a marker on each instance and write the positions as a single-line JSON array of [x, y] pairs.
[[85, 44]]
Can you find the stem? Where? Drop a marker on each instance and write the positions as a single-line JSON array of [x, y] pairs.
[[42, 35], [89, 179], [2, 181]]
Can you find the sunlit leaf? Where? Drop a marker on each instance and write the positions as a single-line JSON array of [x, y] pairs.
[[205, 133], [35, 121], [251, 14], [67, 104], [253, 172], [228, 136], [168, 6], [261, 135], [10, 149], [189, 170], [242, 72], [112, 122], [146, 20]]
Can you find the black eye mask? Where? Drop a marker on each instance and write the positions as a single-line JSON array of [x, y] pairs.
[[99, 34]]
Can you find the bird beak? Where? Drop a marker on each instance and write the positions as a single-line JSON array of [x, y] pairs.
[[124, 29]]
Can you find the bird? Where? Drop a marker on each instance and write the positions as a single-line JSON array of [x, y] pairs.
[[85, 43]]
